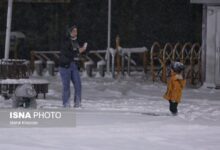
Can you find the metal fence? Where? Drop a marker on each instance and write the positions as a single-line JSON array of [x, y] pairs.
[[187, 53], [154, 61], [14, 69]]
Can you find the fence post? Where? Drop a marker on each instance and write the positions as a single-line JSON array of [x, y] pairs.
[[194, 59], [32, 60], [38, 68], [88, 67], [123, 63], [50, 67], [145, 62], [118, 60], [26, 71], [129, 63], [113, 52], [101, 68]]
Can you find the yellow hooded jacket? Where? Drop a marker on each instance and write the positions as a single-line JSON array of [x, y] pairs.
[[174, 88]]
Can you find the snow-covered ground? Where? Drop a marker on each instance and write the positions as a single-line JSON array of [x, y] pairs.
[[124, 114]]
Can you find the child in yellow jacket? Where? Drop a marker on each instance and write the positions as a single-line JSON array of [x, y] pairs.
[[175, 86]]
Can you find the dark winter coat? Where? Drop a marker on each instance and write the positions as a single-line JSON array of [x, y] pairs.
[[69, 53]]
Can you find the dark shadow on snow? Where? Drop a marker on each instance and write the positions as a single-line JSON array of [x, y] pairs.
[[156, 114]]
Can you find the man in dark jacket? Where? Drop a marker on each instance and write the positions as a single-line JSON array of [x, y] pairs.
[[69, 60]]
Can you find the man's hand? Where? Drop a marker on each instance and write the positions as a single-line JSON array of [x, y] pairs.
[[82, 49], [85, 45]]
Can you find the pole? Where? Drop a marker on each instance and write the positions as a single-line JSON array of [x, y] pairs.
[[204, 39], [109, 36], [8, 29]]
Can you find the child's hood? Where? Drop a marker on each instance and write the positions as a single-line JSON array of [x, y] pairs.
[[176, 76], [179, 77]]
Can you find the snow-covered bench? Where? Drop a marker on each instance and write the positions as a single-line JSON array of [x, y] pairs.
[[8, 86]]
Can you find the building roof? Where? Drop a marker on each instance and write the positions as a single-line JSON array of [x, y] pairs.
[[209, 2]]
